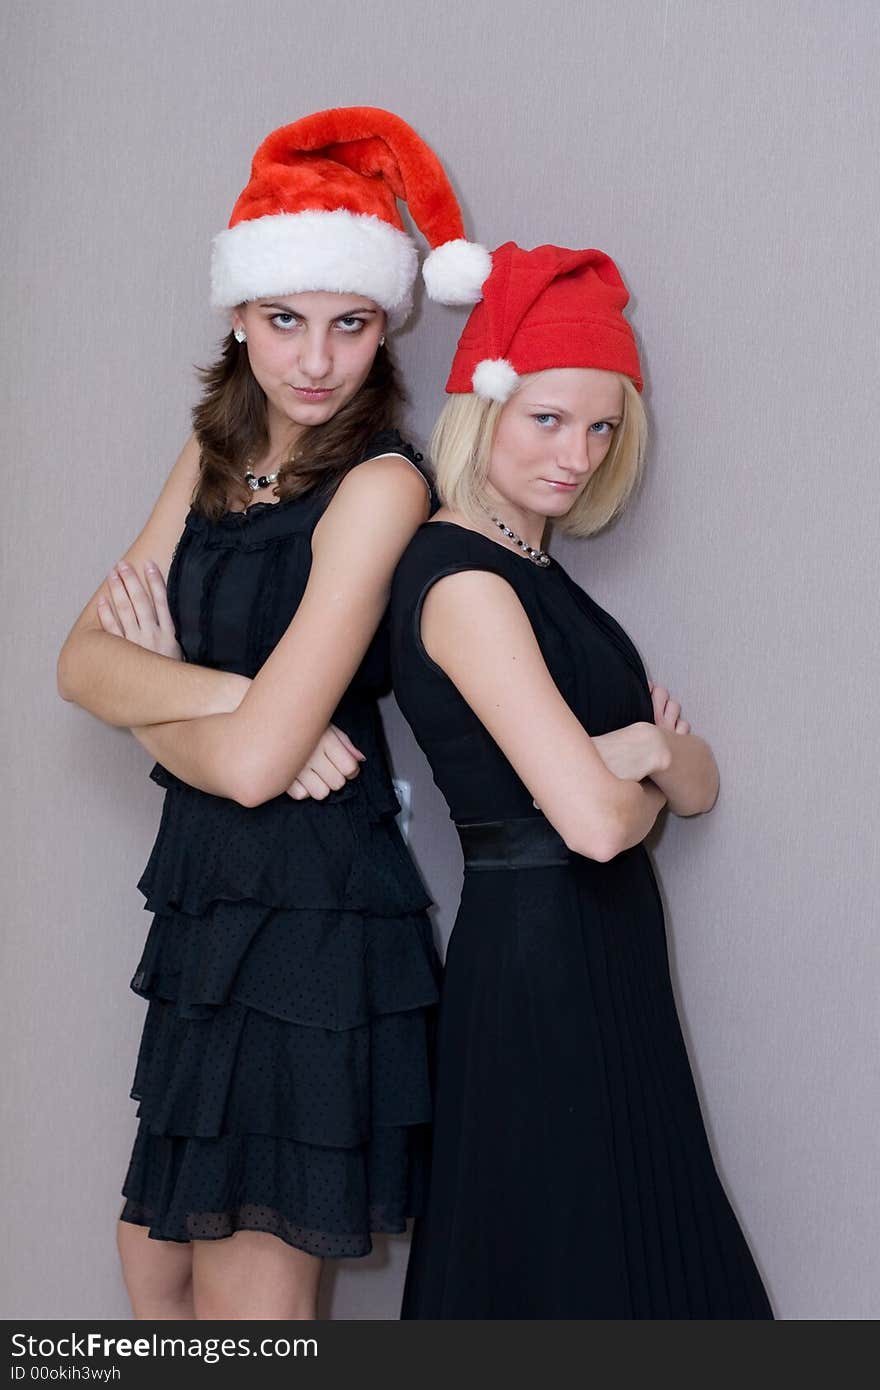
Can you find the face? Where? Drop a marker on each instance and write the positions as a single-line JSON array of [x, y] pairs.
[[310, 352], [552, 435]]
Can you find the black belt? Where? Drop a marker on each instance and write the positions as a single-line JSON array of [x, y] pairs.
[[529, 842]]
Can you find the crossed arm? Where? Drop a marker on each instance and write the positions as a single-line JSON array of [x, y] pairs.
[[239, 739], [603, 794], [139, 613], [679, 762], [124, 683], [254, 753]]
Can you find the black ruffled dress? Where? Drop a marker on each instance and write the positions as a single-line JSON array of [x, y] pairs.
[[290, 967]]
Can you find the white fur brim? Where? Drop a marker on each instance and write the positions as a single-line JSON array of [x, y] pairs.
[[455, 272], [289, 252], [495, 379]]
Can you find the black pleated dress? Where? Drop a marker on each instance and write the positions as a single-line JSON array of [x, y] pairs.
[[283, 1071], [571, 1175]]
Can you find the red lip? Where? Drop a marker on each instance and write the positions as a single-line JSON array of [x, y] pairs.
[[313, 394], [558, 482]]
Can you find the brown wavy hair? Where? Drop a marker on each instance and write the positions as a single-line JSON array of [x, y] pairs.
[[230, 423]]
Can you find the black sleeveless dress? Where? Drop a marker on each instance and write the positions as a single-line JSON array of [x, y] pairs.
[[290, 968], [571, 1176]]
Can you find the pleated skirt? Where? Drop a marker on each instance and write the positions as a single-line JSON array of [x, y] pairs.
[[571, 1172]]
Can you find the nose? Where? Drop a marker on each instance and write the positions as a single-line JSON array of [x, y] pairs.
[[315, 359], [577, 457]]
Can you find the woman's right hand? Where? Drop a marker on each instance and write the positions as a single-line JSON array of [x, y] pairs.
[[139, 614], [334, 761], [634, 752]]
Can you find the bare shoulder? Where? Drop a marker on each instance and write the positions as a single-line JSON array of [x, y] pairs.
[[383, 497], [472, 613], [383, 475], [479, 594]]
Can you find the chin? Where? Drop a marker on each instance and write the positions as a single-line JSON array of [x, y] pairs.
[[552, 510], [310, 412]]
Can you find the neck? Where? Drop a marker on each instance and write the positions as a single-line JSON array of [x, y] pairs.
[[283, 437]]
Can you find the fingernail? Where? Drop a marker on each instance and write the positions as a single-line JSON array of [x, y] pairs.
[[102, 603], [123, 566]]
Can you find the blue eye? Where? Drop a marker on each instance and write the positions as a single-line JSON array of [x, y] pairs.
[[283, 321], [540, 420], [603, 427], [350, 324]]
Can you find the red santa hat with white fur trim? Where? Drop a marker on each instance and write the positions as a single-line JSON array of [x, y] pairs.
[[541, 309], [320, 213]]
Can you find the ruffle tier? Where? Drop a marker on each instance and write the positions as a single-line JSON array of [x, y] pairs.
[[304, 1025], [344, 853], [323, 1201]]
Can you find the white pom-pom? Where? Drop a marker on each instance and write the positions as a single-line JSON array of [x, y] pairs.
[[494, 379], [454, 273]]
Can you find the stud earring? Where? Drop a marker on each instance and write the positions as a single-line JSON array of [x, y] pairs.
[[239, 335], [382, 341]]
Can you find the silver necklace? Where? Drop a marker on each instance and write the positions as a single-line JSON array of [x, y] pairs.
[[255, 483], [538, 557], [264, 480]]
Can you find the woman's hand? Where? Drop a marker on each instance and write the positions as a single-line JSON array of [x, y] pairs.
[[639, 750], [634, 752], [667, 712], [333, 762], [139, 614]]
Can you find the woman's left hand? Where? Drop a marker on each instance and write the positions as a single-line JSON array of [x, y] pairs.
[[334, 761], [689, 779], [139, 615]]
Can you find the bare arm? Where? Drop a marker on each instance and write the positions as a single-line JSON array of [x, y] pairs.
[[690, 781], [146, 620], [475, 628], [121, 682], [255, 753]]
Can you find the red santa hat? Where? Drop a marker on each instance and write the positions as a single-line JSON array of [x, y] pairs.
[[541, 309], [320, 213]]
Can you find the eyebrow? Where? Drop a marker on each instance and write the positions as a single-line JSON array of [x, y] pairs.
[[346, 313]]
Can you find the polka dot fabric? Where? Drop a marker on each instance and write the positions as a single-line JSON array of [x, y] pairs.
[[283, 1072]]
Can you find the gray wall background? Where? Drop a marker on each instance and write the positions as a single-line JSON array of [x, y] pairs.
[[726, 155]]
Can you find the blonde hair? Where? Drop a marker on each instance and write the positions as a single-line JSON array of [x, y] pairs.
[[461, 447]]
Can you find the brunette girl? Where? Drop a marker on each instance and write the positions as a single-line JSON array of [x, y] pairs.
[[282, 1075]]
